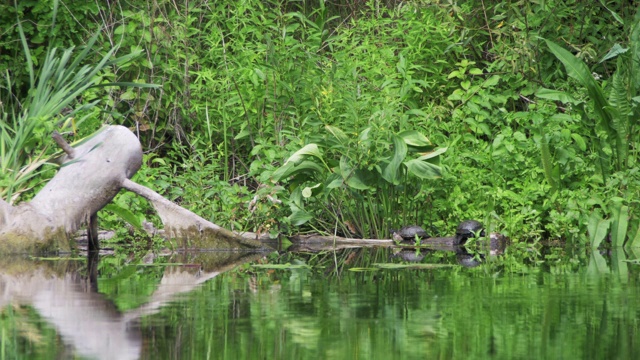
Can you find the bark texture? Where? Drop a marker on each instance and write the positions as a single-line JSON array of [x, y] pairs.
[[91, 175]]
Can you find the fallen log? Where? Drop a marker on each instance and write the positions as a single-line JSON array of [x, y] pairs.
[[91, 174]]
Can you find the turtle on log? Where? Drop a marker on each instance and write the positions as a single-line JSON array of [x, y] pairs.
[[468, 229], [409, 233]]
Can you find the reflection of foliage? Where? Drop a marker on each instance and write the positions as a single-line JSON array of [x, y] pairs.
[[128, 285], [23, 335], [450, 313]]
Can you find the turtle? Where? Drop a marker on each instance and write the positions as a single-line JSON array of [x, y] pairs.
[[468, 229], [409, 233]]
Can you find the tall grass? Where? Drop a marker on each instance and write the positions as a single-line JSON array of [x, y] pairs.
[[53, 103]]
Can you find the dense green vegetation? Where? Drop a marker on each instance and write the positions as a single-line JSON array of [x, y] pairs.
[[354, 117]]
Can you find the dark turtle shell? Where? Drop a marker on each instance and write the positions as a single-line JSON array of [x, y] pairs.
[[410, 232], [468, 229]]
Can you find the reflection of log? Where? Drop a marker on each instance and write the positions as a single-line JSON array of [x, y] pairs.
[[318, 242], [85, 319]]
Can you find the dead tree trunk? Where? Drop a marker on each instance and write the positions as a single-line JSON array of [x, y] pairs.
[[90, 176]]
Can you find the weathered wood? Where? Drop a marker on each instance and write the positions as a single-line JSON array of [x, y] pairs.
[[189, 229], [82, 186], [90, 176]]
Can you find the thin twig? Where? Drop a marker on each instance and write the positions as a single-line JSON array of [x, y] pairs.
[[486, 19], [63, 144]]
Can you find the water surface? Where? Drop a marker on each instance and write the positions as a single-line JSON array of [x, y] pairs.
[[320, 306]]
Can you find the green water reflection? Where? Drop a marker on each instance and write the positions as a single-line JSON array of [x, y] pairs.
[[591, 312], [402, 314]]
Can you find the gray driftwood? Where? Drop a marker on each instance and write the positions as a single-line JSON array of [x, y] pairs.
[[90, 176]]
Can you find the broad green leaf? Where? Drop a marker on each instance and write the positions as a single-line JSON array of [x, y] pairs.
[[491, 81], [597, 228], [613, 13], [556, 95], [337, 133], [615, 51], [299, 217], [577, 69], [307, 150], [635, 241], [579, 141], [390, 172], [597, 265], [414, 138], [423, 169], [334, 181], [352, 176], [364, 134], [547, 160], [619, 224], [125, 214], [619, 264], [290, 169], [432, 154]]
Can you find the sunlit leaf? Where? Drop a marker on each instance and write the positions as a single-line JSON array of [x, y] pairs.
[[414, 138], [307, 150]]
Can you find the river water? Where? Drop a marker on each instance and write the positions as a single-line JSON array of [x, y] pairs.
[[348, 304]]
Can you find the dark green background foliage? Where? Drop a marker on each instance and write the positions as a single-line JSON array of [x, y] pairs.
[[530, 148]]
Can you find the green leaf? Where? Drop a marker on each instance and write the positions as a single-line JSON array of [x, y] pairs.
[[597, 265], [491, 81], [620, 223], [290, 169], [307, 150], [299, 216], [635, 242], [414, 138], [411, 266], [432, 154], [613, 13], [337, 133], [390, 172], [579, 141], [597, 228], [555, 95], [423, 169], [352, 176], [615, 51], [577, 69], [125, 214]]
